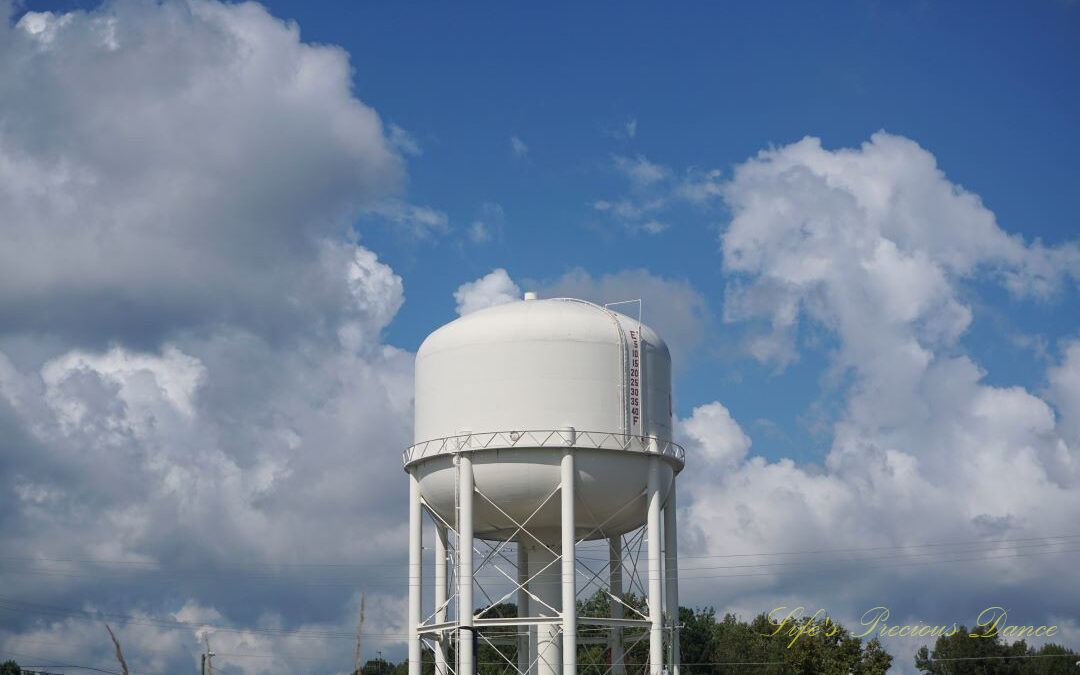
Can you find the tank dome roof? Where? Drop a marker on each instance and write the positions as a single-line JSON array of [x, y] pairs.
[[562, 319], [517, 385]]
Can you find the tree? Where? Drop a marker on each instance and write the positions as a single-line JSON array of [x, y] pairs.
[[961, 654], [1053, 659], [697, 635], [705, 643], [821, 648], [10, 668]]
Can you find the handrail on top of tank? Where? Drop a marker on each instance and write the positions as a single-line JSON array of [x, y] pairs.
[[546, 438]]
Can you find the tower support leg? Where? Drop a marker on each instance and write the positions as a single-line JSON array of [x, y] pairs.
[[569, 568], [441, 592], [615, 639], [466, 658], [671, 576], [523, 657], [656, 632], [415, 573], [546, 585]]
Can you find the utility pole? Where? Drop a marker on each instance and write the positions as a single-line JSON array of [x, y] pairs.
[[206, 663], [359, 630]]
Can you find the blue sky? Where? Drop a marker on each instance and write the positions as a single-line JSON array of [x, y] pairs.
[[993, 91], [227, 228]]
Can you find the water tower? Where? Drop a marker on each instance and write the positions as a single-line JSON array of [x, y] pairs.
[[543, 429]]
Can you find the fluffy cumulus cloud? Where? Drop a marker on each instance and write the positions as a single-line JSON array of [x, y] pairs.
[[198, 407], [155, 160], [1064, 391], [192, 369], [495, 288], [873, 242], [137, 471], [872, 245]]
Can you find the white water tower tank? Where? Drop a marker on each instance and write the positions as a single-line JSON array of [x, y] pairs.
[[559, 411], [526, 379]]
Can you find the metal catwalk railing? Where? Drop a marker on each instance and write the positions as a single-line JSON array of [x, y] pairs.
[[547, 438]]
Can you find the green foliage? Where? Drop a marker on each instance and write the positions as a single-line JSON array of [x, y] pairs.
[[378, 667], [707, 645], [596, 658], [10, 668], [717, 646], [806, 647], [961, 654]]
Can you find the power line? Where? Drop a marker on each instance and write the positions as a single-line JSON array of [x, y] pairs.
[[888, 557], [19, 641], [5, 603], [973, 542], [154, 563], [17, 605], [70, 665], [985, 658], [884, 566], [209, 576], [66, 665], [685, 573], [331, 565]]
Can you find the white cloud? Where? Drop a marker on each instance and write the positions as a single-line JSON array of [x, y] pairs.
[[654, 227], [421, 222], [631, 214], [208, 369], [238, 150], [495, 288], [377, 295], [719, 440], [1065, 390], [640, 171], [489, 223], [628, 210], [405, 142], [479, 232], [871, 245], [173, 641], [225, 447], [146, 387], [234, 400], [518, 147], [700, 187], [650, 192]]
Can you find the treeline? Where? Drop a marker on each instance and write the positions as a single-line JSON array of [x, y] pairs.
[[961, 654], [729, 645], [707, 644]]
